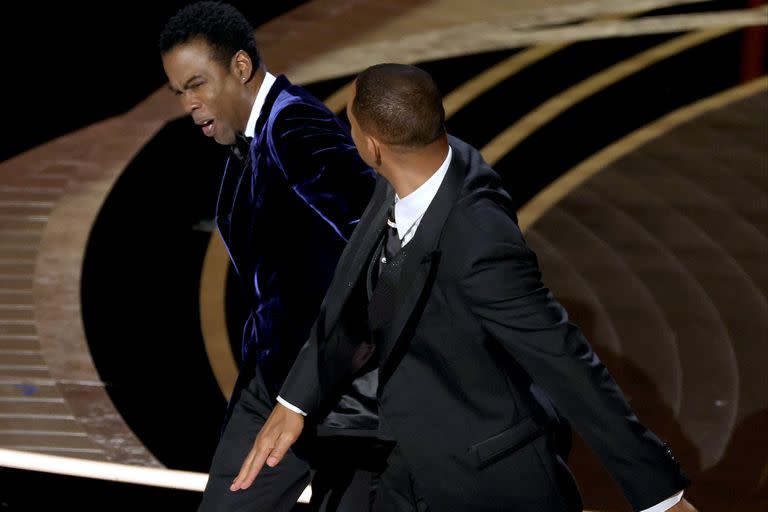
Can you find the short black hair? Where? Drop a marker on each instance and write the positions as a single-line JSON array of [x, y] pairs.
[[399, 103], [221, 25]]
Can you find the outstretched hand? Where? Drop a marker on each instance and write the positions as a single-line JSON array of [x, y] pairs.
[[281, 430]]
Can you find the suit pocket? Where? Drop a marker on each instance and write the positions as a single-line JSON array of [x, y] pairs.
[[505, 443]]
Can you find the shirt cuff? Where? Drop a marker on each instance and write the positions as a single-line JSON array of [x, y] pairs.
[[664, 505], [296, 409]]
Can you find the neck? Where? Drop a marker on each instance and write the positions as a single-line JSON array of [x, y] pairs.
[[257, 78], [407, 170]]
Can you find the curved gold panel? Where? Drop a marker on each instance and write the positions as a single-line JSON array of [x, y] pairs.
[[547, 198]]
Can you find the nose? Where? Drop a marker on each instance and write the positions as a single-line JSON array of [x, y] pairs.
[[189, 102]]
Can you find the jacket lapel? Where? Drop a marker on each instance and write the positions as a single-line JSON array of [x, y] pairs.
[[281, 84], [405, 283], [225, 204], [356, 254], [235, 171]]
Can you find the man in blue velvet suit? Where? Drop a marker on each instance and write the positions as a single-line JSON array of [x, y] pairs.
[[478, 363], [291, 195]]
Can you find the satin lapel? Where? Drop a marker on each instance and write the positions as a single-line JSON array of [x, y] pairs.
[[401, 292], [356, 254]]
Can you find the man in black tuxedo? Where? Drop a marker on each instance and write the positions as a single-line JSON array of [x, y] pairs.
[[477, 361]]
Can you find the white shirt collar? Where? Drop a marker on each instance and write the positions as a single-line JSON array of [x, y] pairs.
[[261, 97], [410, 209]]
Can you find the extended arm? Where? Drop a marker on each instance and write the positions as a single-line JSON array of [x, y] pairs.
[[502, 285]]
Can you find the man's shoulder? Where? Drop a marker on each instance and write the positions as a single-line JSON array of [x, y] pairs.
[[464, 150], [297, 97], [483, 204], [296, 111], [478, 172], [480, 182]]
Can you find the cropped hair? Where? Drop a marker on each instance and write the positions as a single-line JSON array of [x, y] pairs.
[[222, 26], [400, 104]]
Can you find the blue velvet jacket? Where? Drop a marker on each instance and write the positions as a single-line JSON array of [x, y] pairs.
[[285, 217]]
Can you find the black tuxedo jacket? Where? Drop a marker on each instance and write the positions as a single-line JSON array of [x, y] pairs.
[[465, 333]]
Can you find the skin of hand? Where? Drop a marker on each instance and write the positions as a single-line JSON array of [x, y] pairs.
[[278, 434]]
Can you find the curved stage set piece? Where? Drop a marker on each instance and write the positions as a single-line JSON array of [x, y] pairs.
[[633, 136]]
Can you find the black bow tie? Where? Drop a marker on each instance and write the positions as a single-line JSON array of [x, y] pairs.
[[241, 147]]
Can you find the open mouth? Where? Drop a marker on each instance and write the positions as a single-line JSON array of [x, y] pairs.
[[207, 128]]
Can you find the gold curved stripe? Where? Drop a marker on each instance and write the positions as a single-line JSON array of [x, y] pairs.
[[513, 135], [338, 100], [494, 75], [481, 83], [552, 194], [471, 89], [213, 317]]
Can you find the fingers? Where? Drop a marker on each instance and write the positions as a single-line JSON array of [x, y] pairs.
[[281, 447], [262, 452], [280, 431], [251, 466]]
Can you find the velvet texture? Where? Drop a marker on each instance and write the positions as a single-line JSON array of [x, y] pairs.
[[285, 215]]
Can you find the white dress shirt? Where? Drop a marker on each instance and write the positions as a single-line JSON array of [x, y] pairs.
[[408, 213], [258, 104], [410, 209]]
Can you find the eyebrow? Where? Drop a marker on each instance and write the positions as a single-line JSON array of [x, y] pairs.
[[186, 84], [191, 79]]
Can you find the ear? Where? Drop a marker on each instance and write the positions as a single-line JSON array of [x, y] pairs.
[[242, 66], [374, 148]]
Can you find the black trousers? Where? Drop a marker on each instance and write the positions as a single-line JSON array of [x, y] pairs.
[[340, 487]]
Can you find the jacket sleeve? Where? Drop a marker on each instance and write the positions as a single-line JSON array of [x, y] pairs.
[[301, 387], [502, 286], [321, 164], [333, 354]]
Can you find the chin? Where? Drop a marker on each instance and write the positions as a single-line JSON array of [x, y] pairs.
[[224, 140]]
